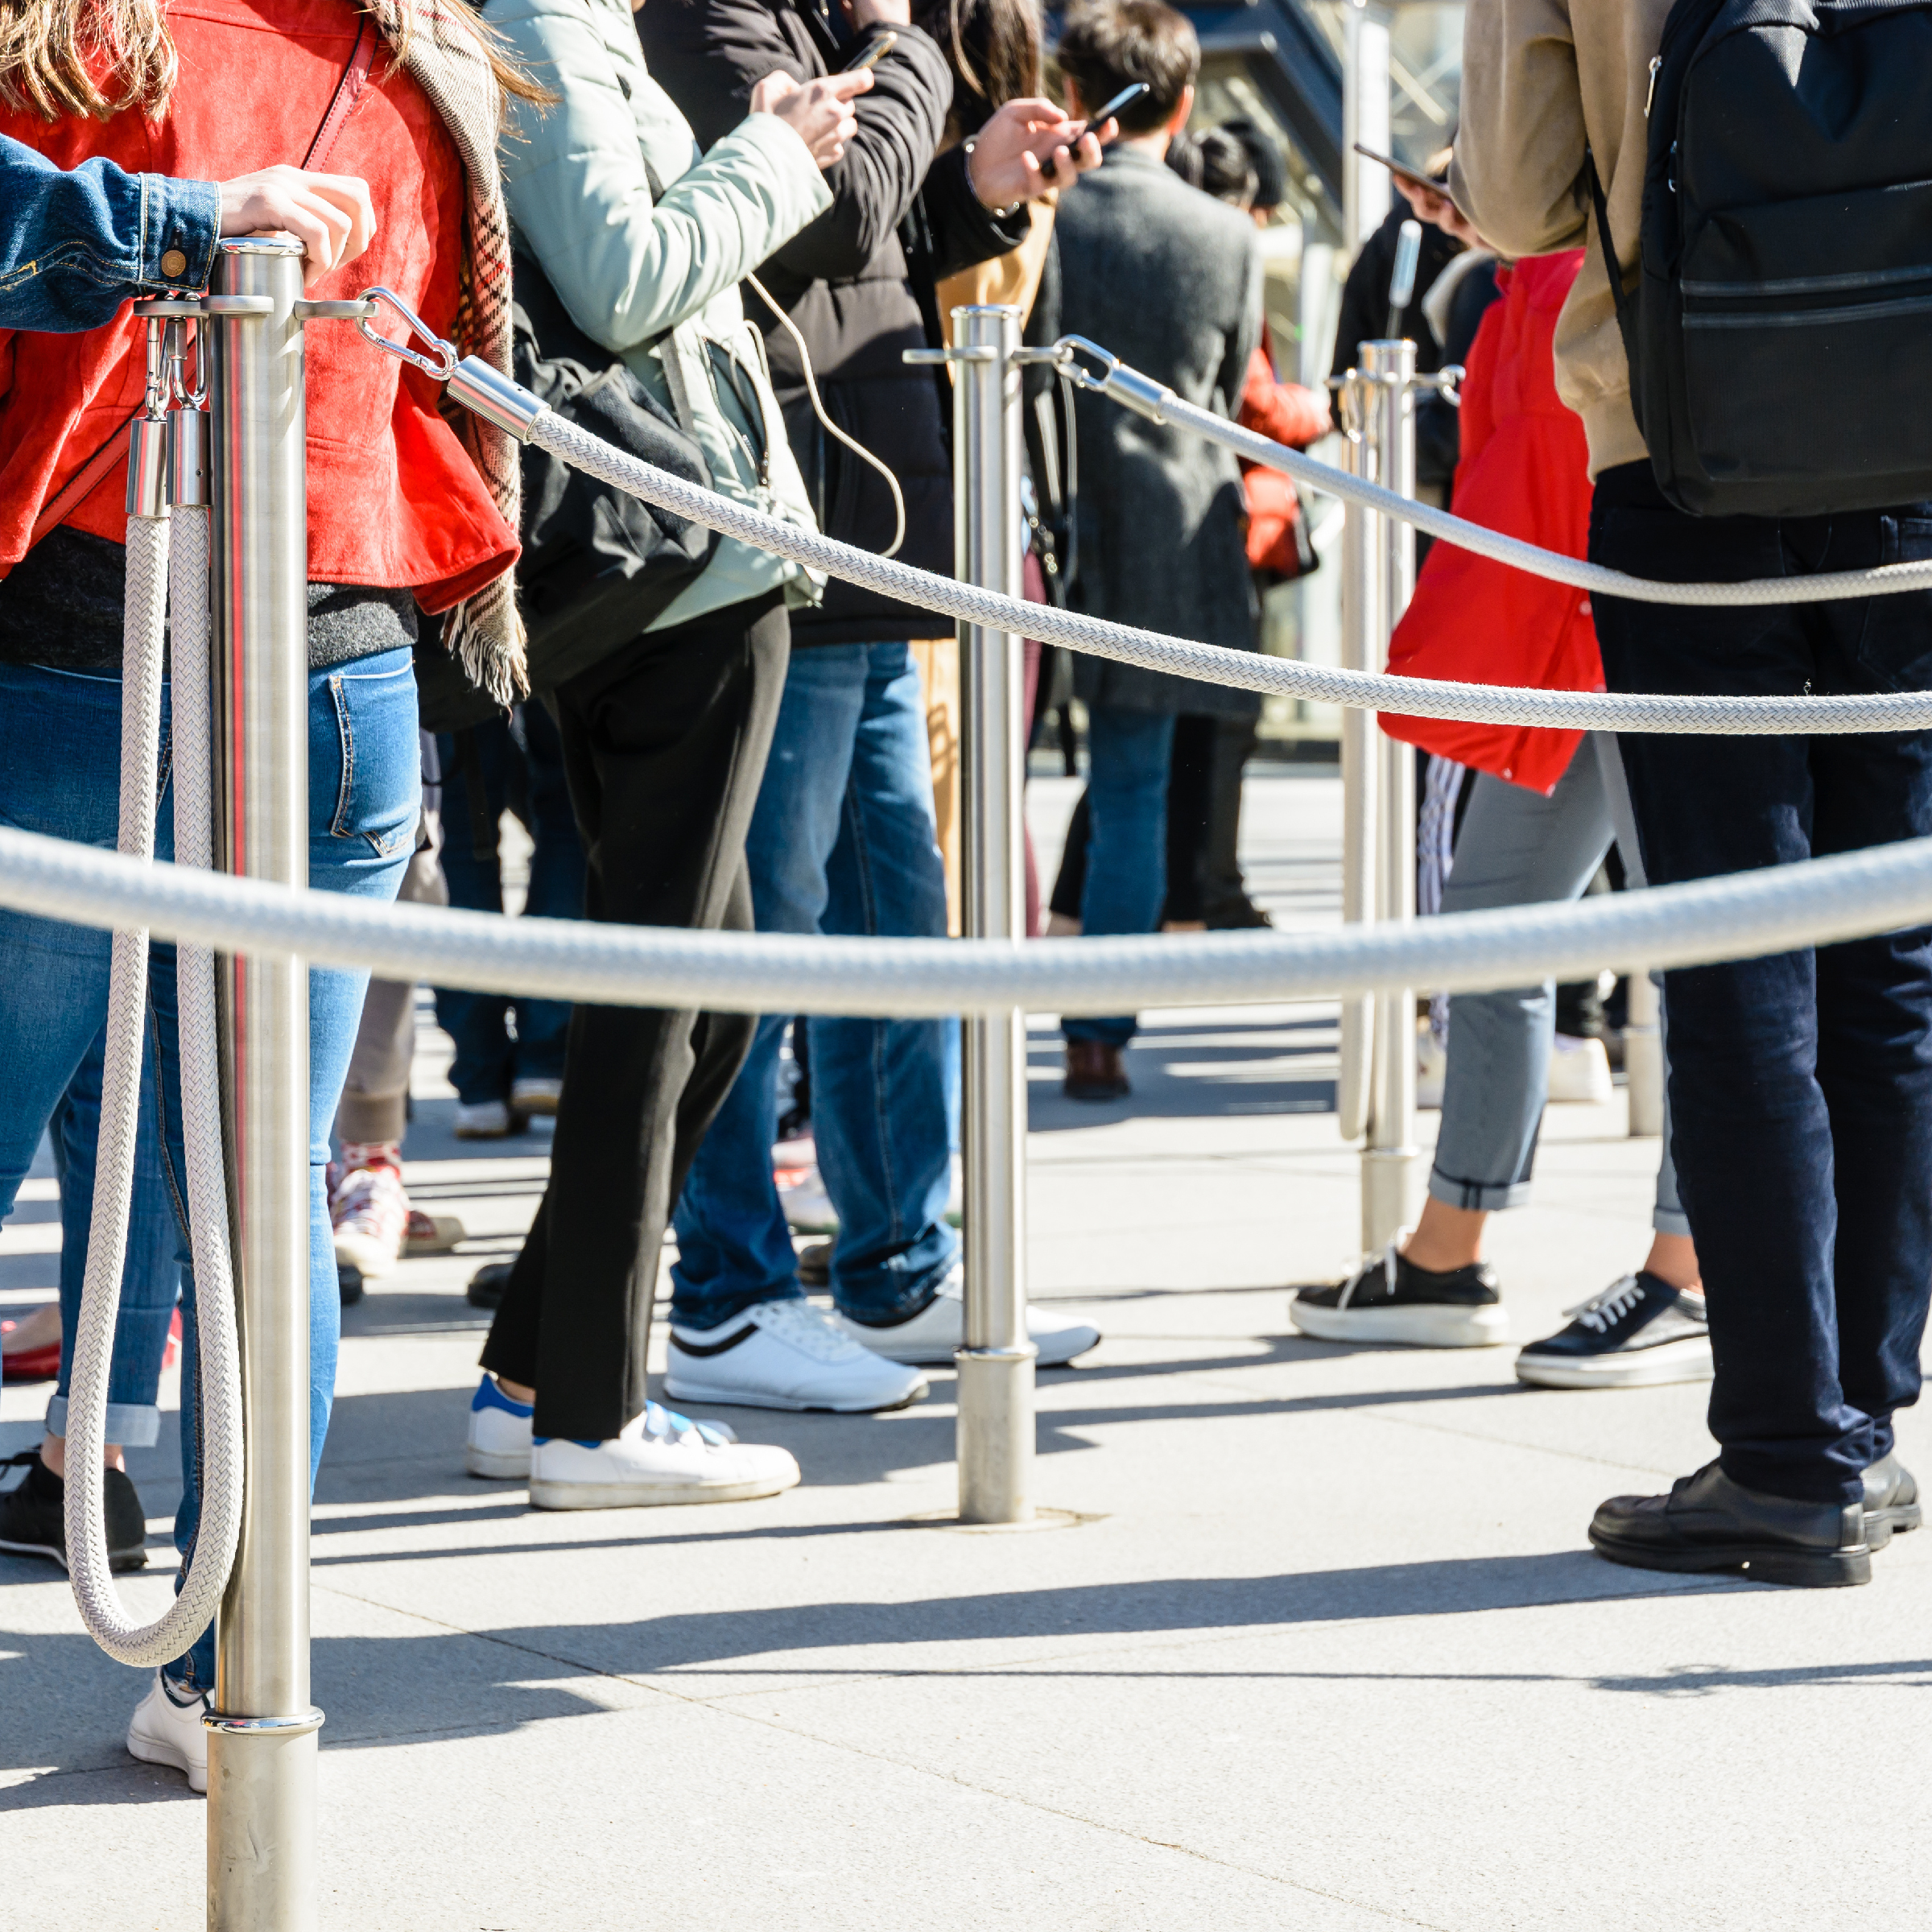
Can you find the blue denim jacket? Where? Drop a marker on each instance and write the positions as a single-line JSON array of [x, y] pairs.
[[74, 246]]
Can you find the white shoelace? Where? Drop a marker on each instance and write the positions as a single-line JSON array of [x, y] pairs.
[[809, 1330], [1602, 1311], [1361, 1275]]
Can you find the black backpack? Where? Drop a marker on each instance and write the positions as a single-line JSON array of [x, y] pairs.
[[1780, 338]]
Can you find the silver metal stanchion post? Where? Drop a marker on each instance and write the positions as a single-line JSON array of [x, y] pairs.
[[1364, 583], [1391, 1163], [996, 1426], [262, 1873]]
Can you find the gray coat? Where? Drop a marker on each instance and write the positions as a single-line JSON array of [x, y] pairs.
[[1169, 279]]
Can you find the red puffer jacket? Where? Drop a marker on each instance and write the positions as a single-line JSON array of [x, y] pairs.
[[394, 502], [1525, 470]]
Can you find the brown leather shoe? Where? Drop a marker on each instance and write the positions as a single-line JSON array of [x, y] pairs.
[[1094, 1072]]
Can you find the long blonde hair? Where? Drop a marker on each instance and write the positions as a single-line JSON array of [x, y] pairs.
[[51, 51]]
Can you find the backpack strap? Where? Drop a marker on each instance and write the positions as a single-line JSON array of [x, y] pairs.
[[98, 467], [1626, 308]]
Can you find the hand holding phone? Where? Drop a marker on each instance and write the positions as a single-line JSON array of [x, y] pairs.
[[872, 54], [1119, 105]]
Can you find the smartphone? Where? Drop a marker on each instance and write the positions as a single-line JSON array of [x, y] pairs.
[[872, 56], [1125, 98], [1402, 168]]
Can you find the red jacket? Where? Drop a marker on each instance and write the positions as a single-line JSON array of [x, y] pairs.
[[394, 502], [1525, 470], [1290, 415]]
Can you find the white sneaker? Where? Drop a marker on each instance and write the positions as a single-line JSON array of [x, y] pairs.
[[661, 1457], [1579, 1069], [536, 1096], [498, 1446], [500, 1434], [486, 1120], [369, 1211], [165, 1731], [786, 1355], [939, 1329]]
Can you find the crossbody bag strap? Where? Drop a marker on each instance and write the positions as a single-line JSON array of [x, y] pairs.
[[98, 467]]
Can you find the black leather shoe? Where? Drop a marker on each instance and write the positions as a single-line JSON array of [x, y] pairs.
[[1891, 1501], [486, 1286], [1709, 1522]]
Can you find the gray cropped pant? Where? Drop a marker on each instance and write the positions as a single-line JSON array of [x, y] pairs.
[[1517, 848]]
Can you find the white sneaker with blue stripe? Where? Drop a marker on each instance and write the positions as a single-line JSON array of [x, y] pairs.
[[500, 1434], [661, 1457]]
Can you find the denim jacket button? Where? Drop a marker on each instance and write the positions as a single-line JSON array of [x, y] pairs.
[[174, 264]]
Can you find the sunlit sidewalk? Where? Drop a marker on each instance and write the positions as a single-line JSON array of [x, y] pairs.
[[1318, 1644]]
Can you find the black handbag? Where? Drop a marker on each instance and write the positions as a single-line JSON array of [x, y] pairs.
[[597, 566]]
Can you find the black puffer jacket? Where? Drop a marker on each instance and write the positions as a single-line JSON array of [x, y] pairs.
[[858, 283]]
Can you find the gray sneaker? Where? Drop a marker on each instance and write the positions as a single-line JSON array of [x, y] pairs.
[[1638, 1331]]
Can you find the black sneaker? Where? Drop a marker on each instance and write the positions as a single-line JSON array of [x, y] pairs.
[[32, 1513], [1891, 1501], [1707, 1522], [814, 1264], [1390, 1299], [1640, 1330]]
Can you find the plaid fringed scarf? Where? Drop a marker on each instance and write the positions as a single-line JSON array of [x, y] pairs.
[[439, 43]]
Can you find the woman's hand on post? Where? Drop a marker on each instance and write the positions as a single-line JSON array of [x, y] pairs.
[[1028, 147], [330, 215], [819, 112]]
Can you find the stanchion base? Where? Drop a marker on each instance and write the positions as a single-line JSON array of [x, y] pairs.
[[1042, 1518], [1391, 1188], [995, 1434], [262, 1873]]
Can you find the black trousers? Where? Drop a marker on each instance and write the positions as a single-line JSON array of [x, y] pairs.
[[1801, 1085], [664, 744]]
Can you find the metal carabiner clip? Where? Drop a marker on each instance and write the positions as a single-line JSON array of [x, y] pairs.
[[441, 370], [1068, 352]]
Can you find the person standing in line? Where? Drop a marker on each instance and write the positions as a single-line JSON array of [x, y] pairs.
[[644, 242], [1545, 808], [1800, 1084], [844, 838], [408, 515], [1170, 280]]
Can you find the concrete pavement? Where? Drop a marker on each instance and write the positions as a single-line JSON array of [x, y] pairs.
[[1322, 1645]]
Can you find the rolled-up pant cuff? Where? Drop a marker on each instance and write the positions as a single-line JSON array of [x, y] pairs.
[[1670, 1220], [1485, 1197], [133, 1425], [366, 1118]]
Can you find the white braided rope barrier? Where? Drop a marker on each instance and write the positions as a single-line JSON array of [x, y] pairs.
[[1743, 916], [1248, 671], [120, 1635]]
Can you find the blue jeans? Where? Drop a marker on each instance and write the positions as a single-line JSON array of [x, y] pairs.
[[150, 1277], [1128, 753], [1517, 847], [59, 766], [488, 1057], [844, 841], [1800, 1084]]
